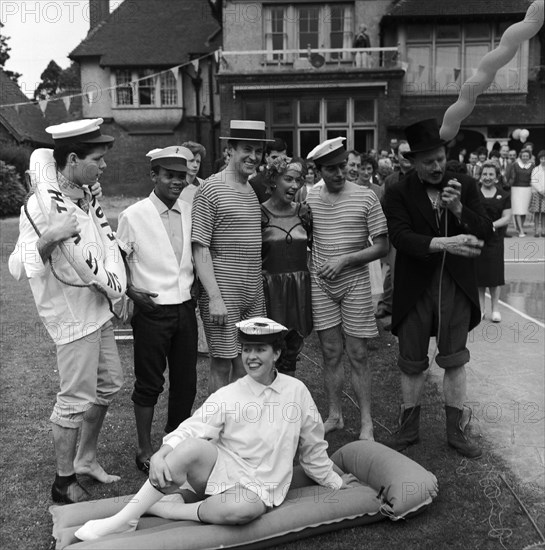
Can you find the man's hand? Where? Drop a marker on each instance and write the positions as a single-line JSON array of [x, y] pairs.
[[142, 298], [159, 472], [331, 269], [96, 189], [450, 197], [459, 245], [61, 225], [217, 310]]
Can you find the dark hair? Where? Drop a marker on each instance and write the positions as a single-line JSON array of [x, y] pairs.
[[368, 159], [482, 150], [355, 153], [540, 154], [492, 164], [494, 154], [81, 150], [195, 148], [277, 145], [456, 166]]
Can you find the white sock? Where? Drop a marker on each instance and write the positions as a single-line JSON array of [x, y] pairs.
[[174, 507], [126, 519]]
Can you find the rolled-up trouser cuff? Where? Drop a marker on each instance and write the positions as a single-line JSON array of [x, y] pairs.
[[458, 359], [412, 367]]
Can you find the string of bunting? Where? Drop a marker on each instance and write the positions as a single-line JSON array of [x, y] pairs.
[[42, 103]]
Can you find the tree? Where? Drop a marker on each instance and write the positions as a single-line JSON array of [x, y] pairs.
[[4, 55], [56, 81]]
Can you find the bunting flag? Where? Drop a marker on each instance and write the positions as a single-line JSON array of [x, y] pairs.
[[66, 101], [456, 74], [89, 96], [421, 69], [175, 73]]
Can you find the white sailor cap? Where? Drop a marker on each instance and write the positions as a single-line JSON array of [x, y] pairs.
[[260, 330], [247, 130], [79, 131], [329, 152], [174, 157]]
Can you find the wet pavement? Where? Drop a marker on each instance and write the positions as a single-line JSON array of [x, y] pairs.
[[506, 374]]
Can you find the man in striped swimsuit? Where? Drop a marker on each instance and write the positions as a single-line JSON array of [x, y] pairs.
[[349, 231]]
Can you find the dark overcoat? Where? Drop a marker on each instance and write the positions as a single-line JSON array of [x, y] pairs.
[[413, 223]]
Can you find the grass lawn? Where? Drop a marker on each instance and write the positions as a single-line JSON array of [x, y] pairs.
[[474, 509]]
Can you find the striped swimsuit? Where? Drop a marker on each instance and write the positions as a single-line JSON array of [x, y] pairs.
[[343, 228], [228, 222]]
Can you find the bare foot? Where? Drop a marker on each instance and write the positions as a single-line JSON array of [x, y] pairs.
[[366, 434], [332, 424], [96, 471]]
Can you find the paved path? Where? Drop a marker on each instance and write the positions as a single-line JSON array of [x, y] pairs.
[[506, 374]]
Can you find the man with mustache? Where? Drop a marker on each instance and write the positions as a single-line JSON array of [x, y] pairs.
[[155, 236], [345, 217], [226, 238], [437, 224]]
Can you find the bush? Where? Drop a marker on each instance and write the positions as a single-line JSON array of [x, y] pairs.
[[12, 192], [16, 156]]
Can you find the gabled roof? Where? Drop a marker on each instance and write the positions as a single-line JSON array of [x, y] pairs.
[[446, 8], [25, 122], [152, 33]]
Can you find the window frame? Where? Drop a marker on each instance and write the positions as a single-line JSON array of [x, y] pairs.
[[138, 84], [433, 85]]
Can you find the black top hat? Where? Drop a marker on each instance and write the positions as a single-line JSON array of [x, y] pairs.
[[423, 136]]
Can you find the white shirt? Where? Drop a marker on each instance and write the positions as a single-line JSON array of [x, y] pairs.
[[68, 313], [147, 238], [261, 428]]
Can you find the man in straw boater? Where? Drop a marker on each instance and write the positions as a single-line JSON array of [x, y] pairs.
[[78, 318], [345, 217], [226, 237], [437, 224], [155, 235]]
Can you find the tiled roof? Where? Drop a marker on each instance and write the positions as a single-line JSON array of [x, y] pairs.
[[26, 122], [152, 33], [423, 8]]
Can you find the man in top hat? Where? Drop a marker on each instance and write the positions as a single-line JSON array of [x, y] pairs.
[[226, 239], [155, 236], [437, 225], [77, 318], [345, 217]]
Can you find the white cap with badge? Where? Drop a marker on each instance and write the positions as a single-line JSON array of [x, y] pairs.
[[260, 330], [329, 152], [79, 131], [174, 157]]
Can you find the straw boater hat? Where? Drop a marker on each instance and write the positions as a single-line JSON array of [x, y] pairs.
[[260, 330], [423, 136], [79, 131], [329, 152], [171, 158], [247, 130]]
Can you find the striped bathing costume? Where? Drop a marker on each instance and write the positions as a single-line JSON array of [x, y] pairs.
[[228, 222], [343, 228]]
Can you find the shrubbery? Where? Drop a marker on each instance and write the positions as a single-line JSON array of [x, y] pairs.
[[12, 191], [16, 156]]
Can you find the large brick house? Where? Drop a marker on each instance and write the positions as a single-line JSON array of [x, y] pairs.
[[126, 79], [291, 63]]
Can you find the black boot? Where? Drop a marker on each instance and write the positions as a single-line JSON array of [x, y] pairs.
[[456, 436], [287, 361], [409, 424]]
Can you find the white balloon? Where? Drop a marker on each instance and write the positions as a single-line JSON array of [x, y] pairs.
[[516, 133], [524, 134]]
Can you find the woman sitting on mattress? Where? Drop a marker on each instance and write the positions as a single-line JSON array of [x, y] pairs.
[[236, 451]]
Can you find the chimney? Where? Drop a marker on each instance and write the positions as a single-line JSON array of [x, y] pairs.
[[98, 11]]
